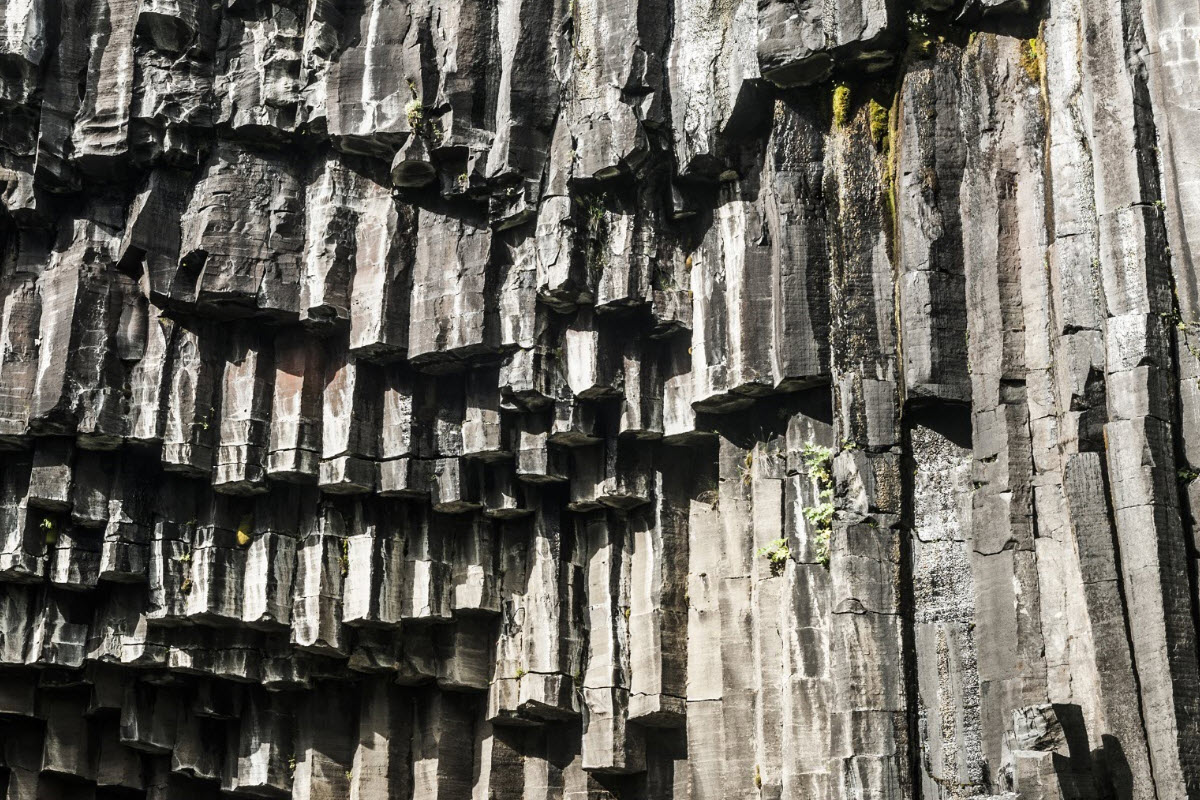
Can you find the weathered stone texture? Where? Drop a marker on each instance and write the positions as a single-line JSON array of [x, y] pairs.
[[581, 399]]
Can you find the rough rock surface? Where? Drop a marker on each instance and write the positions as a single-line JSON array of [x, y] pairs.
[[585, 399]]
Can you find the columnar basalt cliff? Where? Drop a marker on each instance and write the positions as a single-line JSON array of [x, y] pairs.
[[585, 399]]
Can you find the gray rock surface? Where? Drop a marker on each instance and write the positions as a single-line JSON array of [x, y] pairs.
[[582, 399]]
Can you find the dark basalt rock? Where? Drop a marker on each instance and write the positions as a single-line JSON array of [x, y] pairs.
[[663, 399]]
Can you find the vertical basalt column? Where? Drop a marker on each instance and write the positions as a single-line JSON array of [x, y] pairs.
[[793, 183], [349, 424], [384, 256], [870, 749], [1004, 246], [191, 425], [101, 134], [706, 734], [244, 255], [450, 273], [317, 593], [62, 99], [770, 610], [610, 743], [930, 156], [246, 393], [711, 72], [1125, 734], [19, 354], [381, 763], [943, 606], [24, 540], [274, 534], [806, 741], [294, 442], [373, 566], [658, 598]]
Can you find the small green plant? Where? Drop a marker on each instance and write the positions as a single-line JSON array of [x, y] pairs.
[[521, 673], [1187, 475], [1186, 329], [292, 763], [582, 54], [344, 559], [414, 111], [594, 205], [186, 586], [49, 529], [819, 461], [920, 33], [777, 553], [919, 24], [746, 467], [185, 558]]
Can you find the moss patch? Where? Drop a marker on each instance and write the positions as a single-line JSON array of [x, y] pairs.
[[841, 104], [1031, 59], [880, 124]]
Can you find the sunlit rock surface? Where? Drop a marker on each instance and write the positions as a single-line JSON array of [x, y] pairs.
[[586, 399]]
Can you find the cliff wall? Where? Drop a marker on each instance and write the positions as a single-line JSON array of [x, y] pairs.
[[586, 399]]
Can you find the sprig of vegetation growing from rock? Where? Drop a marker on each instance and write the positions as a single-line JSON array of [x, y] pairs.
[[819, 461], [414, 111], [920, 33], [777, 553], [1187, 330], [419, 120], [49, 528]]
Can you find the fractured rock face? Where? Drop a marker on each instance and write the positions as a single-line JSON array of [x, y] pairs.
[[556, 399], [800, 41]]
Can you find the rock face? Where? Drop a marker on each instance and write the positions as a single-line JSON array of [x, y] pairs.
[[584, 399]]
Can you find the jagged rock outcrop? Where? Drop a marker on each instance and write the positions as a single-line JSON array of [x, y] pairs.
[[662, 399]]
